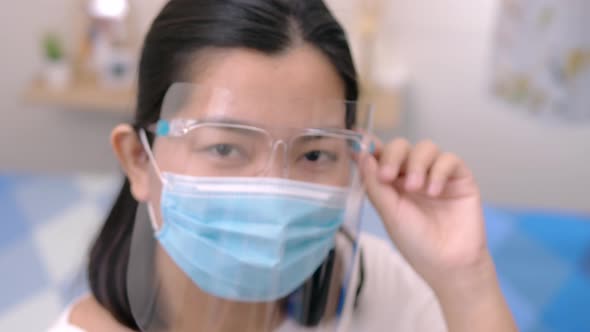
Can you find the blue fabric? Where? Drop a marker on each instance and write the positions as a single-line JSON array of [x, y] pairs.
[[543, 259]]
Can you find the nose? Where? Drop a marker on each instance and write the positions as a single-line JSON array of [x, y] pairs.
[[277, 162]]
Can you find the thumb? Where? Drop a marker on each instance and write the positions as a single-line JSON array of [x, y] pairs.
[[386, 199], [382, 195]]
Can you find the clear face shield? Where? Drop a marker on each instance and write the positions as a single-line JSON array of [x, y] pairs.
[[253, 216]]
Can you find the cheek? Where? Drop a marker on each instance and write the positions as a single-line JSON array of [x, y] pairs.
[[346, 177], [170, 154], [343, 175]]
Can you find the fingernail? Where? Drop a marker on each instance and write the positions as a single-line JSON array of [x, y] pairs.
[[414, 181], [434, 189]]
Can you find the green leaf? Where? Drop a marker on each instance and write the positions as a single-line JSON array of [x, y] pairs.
[[53, 48]]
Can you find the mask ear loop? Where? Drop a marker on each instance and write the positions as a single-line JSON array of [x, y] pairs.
[[148, 151]]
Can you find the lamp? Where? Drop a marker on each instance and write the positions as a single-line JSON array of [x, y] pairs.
[[109, 9]]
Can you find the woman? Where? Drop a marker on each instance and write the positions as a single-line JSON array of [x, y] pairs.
[[272, 51]]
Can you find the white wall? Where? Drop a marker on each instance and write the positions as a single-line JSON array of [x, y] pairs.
[[445, 45], [518, 160]]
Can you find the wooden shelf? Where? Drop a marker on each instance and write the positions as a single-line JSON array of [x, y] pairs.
[[90, 97], [387, 104], [81, 96]]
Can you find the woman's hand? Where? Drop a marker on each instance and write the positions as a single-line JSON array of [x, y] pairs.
[[431, 207]]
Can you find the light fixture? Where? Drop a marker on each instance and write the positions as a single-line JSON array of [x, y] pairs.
[[109, 9]]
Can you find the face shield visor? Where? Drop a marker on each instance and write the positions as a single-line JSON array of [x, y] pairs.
[[253, 216]]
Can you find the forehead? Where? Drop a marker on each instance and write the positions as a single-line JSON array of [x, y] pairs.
[[299, 87]]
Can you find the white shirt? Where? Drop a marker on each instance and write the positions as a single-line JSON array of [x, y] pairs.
[[394, 297], [63, 323]]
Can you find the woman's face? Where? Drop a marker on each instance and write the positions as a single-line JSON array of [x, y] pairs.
[[281, 93]]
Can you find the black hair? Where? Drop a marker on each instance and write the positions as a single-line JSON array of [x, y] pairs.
[[181, 30]]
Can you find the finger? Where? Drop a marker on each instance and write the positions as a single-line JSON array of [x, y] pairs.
[[444, 167], [386, 199], [392, 159], [419, 163], [448, 167]]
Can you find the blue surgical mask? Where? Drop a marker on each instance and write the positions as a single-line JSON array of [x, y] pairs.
[[248, 239]]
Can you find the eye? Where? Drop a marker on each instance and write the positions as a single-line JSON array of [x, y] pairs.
[[318, 156], [313, 156], [223, 150]]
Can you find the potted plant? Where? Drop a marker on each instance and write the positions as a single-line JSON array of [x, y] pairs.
[[57, 70]]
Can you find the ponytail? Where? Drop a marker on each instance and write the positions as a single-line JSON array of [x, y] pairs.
[[109, 258]]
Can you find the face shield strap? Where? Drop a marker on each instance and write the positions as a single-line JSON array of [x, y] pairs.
[[356, 198], [141, 263], [370, 115], [361, 271]]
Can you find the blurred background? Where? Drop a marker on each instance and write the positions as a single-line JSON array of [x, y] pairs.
[[502, 83]]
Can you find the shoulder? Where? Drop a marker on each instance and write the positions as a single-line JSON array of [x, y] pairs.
[[383, 260], [389, 274], [87, 315], [387, 270], [393, 291]]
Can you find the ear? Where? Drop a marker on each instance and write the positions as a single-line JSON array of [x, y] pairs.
[[133, 160]]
